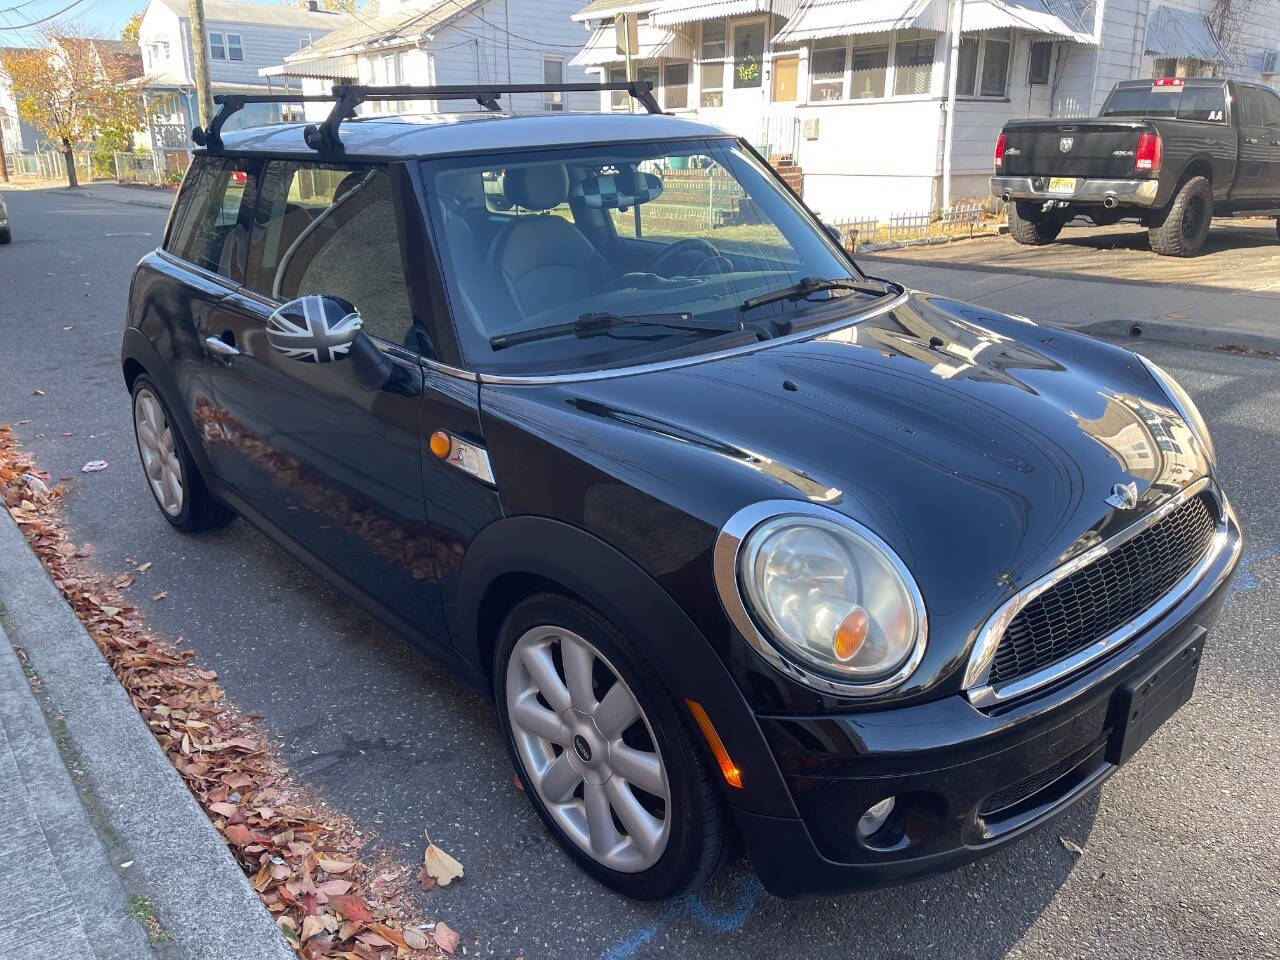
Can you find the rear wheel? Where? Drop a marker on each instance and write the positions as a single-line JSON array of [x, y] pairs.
[[603, 753], [1183, 228], [6, 236], [172, 475], [1031, 226]]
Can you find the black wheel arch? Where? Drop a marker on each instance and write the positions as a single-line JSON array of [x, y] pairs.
[[519, 556], [138, 355]]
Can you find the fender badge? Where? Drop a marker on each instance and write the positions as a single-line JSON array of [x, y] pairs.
[[1124, 496]]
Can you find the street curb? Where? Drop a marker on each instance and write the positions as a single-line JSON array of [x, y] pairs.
[[157, 200], [1183, 333], [202, 898], [97, 892]]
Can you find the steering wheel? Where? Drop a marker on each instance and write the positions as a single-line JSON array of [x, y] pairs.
[[689, 248]]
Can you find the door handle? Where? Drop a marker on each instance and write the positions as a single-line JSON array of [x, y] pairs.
[[1250, 139], [220, 347]]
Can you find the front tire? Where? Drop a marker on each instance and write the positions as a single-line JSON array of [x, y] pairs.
[[1031, 227], [171, 473], [1183, 228], [603, 753], [6, 236]]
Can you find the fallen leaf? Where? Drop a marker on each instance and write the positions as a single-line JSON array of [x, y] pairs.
[[311, 926], [334, 888], [144, 567], [224, 809], [94, 466], [439, 865], [334, 866], [352, 907], [446, 938], [37, 393], [425, 880], [1072, 847], [239, 834], [414, 940], [161, 595]]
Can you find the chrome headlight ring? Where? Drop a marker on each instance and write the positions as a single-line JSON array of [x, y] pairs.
[[1181, 401], [739, 544]]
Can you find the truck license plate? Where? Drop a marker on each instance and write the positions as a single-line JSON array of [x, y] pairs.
[[1062, 184]]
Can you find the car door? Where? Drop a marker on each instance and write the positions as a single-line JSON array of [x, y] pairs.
[[314, 450], [1255, 144], [1269, 188]]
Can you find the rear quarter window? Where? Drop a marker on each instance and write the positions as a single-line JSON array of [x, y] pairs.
[[209, 226]]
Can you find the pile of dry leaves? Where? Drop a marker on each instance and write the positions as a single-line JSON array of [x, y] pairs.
[[302, 858]]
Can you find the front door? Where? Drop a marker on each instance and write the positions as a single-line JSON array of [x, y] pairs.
[[744, 76], [315, 451]]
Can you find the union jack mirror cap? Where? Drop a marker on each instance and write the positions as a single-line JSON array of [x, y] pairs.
[[314, 329]]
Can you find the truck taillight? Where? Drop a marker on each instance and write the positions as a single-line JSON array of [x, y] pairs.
[[1000, 151], [1150, 149]]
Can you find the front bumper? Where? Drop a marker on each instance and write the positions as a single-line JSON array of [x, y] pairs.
[[1125, 193], [967, 781]]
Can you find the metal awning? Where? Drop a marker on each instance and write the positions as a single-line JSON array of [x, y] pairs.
[[817, 19], [1053, 18], [323, 68], [671, 13], [1178, 34], [655, 42]]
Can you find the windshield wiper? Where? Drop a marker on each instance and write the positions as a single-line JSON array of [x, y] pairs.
[[811, 285], [589, 323]]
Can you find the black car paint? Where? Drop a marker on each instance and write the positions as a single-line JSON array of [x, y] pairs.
[[1241, 163], [939, 425]]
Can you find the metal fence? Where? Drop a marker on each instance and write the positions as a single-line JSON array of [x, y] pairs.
[[136, 168], [964, 218], [49, 164]]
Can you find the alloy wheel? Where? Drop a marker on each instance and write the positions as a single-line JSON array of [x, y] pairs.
[[158, 449], [588, 749]]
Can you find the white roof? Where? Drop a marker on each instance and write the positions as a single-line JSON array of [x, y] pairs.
[[672, 12], [264, 14], [816, 19], [655, 42], [1036, 16]]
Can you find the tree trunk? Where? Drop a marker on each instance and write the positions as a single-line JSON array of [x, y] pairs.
[[70, 160]]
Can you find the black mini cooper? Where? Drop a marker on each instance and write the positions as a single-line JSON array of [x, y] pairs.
[[746, 545]]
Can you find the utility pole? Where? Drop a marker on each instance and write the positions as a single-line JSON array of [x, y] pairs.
[[4, 163], [200, 61]]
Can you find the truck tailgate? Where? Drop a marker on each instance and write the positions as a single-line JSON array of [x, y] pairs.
[[1096, 149]]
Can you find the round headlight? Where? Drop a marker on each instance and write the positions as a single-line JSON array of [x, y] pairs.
[[1183, 403], [833, 597]]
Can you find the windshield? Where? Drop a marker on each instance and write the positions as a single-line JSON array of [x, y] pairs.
[[665, 241], [1169, 101]]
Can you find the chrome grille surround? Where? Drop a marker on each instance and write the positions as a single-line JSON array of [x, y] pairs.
[[982, 693]]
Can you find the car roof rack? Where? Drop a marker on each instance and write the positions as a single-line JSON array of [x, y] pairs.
[[324, 137]]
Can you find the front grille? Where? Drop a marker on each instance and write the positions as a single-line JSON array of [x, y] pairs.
[[1028, 787], [1099, 599]]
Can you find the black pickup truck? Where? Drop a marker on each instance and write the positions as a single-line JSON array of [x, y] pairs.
[[1170, 153]]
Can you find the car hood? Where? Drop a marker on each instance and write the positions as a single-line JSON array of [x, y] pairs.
[[980, 447]]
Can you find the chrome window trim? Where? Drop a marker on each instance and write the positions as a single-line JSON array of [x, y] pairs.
[[725, 572], [978, 670], [809, 333]]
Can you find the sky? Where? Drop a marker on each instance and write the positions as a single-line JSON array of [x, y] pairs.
[[107, 16]]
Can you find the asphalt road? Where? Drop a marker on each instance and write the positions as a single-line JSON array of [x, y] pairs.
[[1181, 857]]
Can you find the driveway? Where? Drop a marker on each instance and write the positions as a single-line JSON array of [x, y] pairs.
[[1179, 860], [1240, 255]]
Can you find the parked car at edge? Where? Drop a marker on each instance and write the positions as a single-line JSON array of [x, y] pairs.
[[745, 545], [6, 231], [1170, 153]]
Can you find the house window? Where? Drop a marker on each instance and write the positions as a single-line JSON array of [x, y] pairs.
[[867, 76], [967, 68], [784, 79], [912, 64], [1164, 68], [306, 41], [711, 72], [1038, 67], [619, 99], [748, 56], [234, 49], [675, 88], [651, 74], [995, 66], [826, 70], [217, 46], [552, 72]]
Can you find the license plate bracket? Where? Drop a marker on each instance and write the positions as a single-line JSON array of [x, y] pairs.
[[1062, 184], [1143, 704]]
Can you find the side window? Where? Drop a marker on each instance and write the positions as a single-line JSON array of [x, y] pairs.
[[332, 230], [208, 228], [1203, 103], [1270, 109], [1251, 106]]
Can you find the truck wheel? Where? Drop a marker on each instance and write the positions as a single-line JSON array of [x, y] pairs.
[[1031, 227], [1182, 230]]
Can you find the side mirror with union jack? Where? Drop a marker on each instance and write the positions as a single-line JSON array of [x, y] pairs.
[[314, 329]]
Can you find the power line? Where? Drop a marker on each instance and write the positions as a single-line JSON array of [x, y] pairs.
[[52, 16], [467, 11]]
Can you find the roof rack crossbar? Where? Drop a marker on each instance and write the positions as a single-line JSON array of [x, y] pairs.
[[324, 137]]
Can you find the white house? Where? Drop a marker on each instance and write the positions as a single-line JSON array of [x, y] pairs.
[[854, 92], [429, 42], [242, 38], [18, 136]]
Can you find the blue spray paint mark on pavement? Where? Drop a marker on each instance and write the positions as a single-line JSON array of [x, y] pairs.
[[1245, 578], [748, 892]]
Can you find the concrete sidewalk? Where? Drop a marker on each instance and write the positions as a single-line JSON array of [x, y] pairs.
[[98, 832]]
